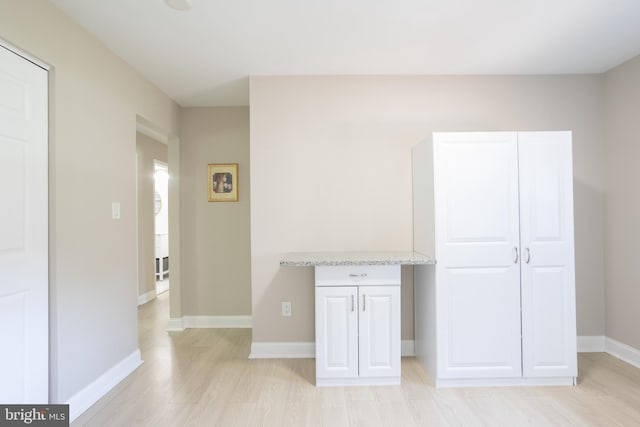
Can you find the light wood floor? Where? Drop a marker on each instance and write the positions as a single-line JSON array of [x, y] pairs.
[[202, 377]]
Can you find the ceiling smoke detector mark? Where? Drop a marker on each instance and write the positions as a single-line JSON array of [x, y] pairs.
[[179, 4]]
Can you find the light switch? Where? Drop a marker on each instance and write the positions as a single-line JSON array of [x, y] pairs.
[[115, 210], [286, 308]]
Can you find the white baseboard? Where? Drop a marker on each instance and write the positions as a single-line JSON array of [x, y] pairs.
[[162, 286], [303, 350], [591, 344], [175, 324], [89, 395], [146, 297], [181, 323], [407, 348], [601, 343], [217, 321], [282, 350], [505, 382], [623, 352]]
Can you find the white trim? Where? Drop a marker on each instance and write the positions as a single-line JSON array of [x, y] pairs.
[[215, 322], [591, 344], [146, 297], [623, 352], [81, 401], [175, 324], [304, 350], [407, 348], [504, 382], [162, 286], [282, 350], [24, 54]]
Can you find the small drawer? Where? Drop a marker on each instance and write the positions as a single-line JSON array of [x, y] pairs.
[[350, 275]]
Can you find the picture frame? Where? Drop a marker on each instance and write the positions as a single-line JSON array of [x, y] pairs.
[[223, 182]]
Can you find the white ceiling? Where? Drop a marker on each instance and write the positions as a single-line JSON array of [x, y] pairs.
[[203, 57]]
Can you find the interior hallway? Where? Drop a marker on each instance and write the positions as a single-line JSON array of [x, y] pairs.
[[202, 377]]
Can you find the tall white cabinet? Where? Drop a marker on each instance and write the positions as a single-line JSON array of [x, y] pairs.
[[500, 306]]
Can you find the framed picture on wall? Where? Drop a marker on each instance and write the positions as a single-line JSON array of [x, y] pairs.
[[223, 182]]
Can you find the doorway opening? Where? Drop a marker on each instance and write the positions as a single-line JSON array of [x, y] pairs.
[[155, 145], [161, 215]]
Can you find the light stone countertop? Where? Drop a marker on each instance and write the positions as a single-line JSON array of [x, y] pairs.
[[312, 259]]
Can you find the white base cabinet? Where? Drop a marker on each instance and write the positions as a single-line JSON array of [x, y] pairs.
[[357, 325], [502, 301]]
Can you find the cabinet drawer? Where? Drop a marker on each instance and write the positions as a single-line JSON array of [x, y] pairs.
[[341, 275]]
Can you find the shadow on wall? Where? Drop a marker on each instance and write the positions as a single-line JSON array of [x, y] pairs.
[[589, 259]]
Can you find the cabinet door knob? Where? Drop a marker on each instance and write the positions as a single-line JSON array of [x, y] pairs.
[[528, 255], [364, 302], [515, 256], [353, 303]]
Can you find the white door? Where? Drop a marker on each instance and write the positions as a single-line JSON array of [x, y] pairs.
[[477, 248], [548, 285], [336, 332], [24, 314], [379, 327]]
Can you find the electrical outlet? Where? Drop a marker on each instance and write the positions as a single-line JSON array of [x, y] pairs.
[[286, 308], [115, 210]]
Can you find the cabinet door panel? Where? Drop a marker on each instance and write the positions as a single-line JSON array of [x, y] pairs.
[[336, 332], [477, 252], [476, 197], [379, 331], [548, 349], [548, 283], [483, 323]]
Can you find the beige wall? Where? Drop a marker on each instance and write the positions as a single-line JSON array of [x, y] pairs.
[[331, 170], [148, 151], [622, 208], [215, 257], [95, 99]]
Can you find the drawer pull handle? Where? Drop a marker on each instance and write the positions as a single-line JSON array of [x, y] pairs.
[[357, 275], [353, 305], [364, 302]]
